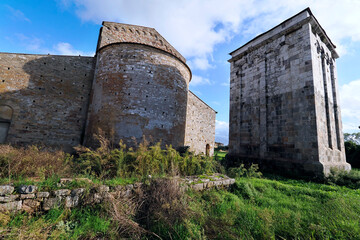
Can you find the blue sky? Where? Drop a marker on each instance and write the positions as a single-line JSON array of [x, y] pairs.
[[203, 31]]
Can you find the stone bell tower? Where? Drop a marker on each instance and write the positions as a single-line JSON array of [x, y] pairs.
[[284, 101]]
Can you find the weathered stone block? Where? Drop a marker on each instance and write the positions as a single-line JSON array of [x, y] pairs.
[[77, 192], [30, 205], [6, 190], [25, 189], [62, 192], [50, 203], [9, 198], [42, 194], [129, 186], [26, 196], [210, 184], [11, 206], [198, 186], [72, 201], [102, 189]]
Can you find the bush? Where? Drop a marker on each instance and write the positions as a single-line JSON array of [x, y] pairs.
[[164, 209], [252, 171], [343, 178], [352, 154], [32, 161], [105, 162]]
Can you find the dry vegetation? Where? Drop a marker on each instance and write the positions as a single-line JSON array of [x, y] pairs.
[[256, 207], [32, 162]]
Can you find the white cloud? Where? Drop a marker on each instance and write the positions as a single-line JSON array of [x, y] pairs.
[[17, 14], [64, 48], [36, 45], [31, 43], [199, 63], [350, 106], [196, 27], [222, 132], [198, 80]]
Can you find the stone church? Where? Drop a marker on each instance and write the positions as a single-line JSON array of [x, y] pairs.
[[284, 100], [136, 85]]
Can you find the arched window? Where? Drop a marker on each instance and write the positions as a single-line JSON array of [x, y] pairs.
[[207, 150], [5, 120]]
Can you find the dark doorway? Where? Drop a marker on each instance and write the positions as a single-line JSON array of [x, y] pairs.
[[5, 120], [207, 150]]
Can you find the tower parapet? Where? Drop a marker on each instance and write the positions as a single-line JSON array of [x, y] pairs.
[[112, 32]]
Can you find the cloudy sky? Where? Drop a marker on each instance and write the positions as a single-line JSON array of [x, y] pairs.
[[203, 31]]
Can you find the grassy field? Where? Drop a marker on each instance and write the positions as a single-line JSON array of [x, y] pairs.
[[269, 207], [253, 208]]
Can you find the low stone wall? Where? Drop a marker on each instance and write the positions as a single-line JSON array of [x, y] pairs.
[[28, 198]]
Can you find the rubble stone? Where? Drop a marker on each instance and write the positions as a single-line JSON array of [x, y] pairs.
[[6, 190], [26, 189]]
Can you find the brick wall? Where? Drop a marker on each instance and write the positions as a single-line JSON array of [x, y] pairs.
[[48, 95]]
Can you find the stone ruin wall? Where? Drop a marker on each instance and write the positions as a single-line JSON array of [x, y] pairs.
[[48, 97], [200, 126], [30, 199], [279, 111]]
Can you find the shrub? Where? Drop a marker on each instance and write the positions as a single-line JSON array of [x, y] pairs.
[[164, 209], [344, 178], [252, 171], [32, 161], [105, 162], [122, 211], [352, 154]]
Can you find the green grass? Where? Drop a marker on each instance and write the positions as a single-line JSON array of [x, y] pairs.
[[253, 208], [86, 223], [268, 209], [219, 156]]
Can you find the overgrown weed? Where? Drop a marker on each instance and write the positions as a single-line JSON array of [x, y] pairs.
[[32, 161], [242, 171], [106, 163], [349, 179]]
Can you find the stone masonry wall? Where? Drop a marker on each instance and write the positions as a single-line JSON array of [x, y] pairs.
[[48, 96], [139, 91], [330, 134], [124, 33], [279, 113], [139, 88], [200, 126], [272, 111], [28, 198]]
